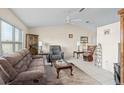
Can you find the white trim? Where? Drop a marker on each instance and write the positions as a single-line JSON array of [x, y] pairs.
[[10, 24]]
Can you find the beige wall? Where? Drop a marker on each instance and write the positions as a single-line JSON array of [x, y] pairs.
[[58, 35], [109, 45], [8, 16]]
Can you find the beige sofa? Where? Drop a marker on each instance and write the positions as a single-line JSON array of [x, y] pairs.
[[21, 67]]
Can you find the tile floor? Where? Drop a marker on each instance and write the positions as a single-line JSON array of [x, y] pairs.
[[101, 75]]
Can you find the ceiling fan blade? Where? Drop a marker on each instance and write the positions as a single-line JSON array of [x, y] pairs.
[[67, 20], [81, 9], [76, 20]]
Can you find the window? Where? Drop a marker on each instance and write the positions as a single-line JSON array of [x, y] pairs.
[[10, 38], [6, 32]]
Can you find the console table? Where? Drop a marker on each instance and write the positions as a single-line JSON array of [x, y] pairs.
[[78, 53], [44, 54]]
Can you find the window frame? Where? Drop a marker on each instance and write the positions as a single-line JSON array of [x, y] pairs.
[[13, 42]]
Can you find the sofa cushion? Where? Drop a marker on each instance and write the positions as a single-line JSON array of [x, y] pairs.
[[26, 51], [19, 64], [22, 52], [26, 60], [29, 57], [36, 62], [13, 58], [29, 75], [22, 65], [41, 68], [8, 68], [22, 68]]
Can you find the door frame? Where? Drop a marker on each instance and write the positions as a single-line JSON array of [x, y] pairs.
[[121, 13]]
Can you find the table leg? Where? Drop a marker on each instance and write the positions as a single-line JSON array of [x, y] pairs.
[[58, 70], [71, 71]]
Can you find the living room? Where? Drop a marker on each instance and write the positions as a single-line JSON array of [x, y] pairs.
[[66, 27]]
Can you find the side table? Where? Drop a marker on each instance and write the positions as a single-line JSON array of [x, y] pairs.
[[78, 53]]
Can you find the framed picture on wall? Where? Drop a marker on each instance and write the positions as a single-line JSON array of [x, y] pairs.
[[70, 35], [83, 39]]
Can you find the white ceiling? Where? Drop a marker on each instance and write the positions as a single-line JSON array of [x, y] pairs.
[[35, 17]]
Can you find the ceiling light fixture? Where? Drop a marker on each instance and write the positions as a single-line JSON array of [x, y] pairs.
[[87, 22]]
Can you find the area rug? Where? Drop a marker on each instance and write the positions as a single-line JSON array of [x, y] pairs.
[[79, 77]]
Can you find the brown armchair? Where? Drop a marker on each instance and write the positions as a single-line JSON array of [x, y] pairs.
[[88, 55]]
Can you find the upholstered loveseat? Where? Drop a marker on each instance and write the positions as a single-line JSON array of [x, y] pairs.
[[21, 67]]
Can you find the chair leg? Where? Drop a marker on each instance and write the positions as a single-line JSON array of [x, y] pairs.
[[90, 58]]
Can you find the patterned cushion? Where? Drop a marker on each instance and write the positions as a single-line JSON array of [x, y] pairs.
[[8, 68]]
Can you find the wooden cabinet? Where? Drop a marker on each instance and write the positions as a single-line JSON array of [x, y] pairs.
[[121, 13], [32, 43]]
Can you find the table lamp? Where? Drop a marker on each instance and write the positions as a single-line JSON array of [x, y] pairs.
[[40, 46], [78, 45]]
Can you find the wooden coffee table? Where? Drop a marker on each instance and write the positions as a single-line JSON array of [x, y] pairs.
[[63, 65]]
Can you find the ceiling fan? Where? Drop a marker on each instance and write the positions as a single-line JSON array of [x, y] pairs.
[[81, 9], [70, 19]]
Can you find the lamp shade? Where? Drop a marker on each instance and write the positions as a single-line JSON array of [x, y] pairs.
[[78, 43], [40, 43]]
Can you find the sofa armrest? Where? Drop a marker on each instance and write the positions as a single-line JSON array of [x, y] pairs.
[[1, 81]]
